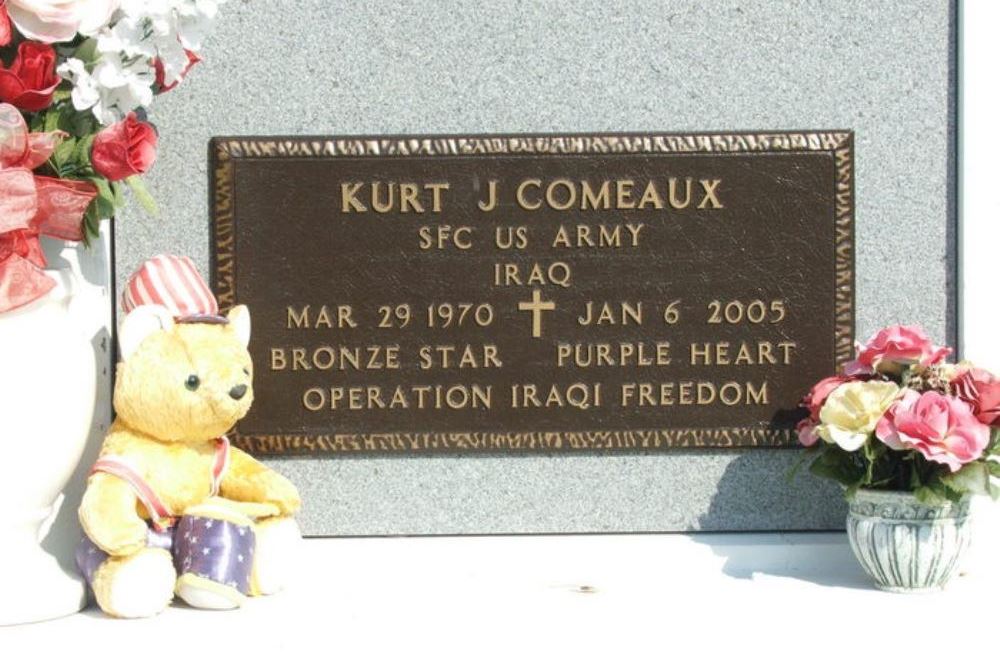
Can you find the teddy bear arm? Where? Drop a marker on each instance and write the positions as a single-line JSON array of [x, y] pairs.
[[248, 480], [109, 518]]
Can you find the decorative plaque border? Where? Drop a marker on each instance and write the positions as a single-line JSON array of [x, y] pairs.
[[224, 150]]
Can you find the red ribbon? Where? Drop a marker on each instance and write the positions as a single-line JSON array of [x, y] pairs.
[[32, 206]]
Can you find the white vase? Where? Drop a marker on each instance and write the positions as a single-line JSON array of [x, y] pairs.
[[904, 545], [54, 402]]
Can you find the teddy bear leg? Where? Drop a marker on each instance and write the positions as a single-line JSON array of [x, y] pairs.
[[213, 557], [135, 586], [278, 544]]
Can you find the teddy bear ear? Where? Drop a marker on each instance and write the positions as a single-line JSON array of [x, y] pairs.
[[239, 323], [140, 323]]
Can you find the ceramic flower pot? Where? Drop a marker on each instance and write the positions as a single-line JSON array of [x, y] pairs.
[[905, 545], [53, 403]]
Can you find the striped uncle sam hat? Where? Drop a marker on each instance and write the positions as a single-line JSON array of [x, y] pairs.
[[174, 283]]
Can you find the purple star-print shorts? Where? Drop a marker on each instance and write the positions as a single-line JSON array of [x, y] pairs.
[[217, 550]]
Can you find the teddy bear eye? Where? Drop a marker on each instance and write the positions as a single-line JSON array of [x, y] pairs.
[[246, 371], [192, 382]]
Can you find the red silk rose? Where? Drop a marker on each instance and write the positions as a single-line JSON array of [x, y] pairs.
[[124, 149], [981, 390], [31, 79], [6, 34]]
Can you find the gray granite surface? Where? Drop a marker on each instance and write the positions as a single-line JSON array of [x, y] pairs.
[[881, 68]]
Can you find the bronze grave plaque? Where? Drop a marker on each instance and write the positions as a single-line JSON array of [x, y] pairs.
[[535, 293]]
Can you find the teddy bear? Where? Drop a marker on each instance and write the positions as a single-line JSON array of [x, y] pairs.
[[170, 507]]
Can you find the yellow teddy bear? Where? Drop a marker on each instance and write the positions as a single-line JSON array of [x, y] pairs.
[[170, 507]]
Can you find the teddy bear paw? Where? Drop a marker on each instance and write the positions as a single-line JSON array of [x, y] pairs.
[[276, 554], [136, 586], [203, 593]]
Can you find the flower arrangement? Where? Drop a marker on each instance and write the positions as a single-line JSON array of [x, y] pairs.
[[76, 77], [900, 418]]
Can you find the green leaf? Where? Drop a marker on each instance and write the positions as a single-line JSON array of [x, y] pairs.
[[971, 478], [103, 188], [993, 467], [51, 123], [851, 490], [994, 445], [937, 492], [796, 468], [87, 51], [119, 191], [81, 152], [142, 195], [91, 225], [951, 494], [928, 495], [838, 465], [914, 471], [79, 123], [104, 203], [63, 152], [37, 122]]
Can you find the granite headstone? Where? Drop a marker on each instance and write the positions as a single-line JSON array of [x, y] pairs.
[[883, 70]]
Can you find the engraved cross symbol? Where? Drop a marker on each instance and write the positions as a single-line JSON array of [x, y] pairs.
[[536, 306]]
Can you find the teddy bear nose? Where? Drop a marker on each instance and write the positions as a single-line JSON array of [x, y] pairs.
[[238, 392]]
